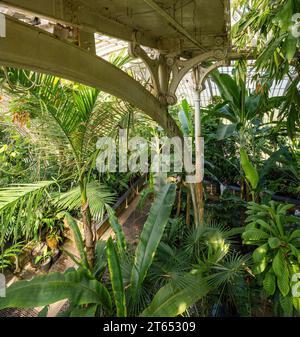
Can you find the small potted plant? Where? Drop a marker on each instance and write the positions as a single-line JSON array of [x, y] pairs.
[[53, 236]]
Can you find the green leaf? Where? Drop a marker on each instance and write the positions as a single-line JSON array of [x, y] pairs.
[[98, 195], [279, 264], [260, 258], [116, 278], [171, 302], [186, 107], [100, 259], [260, 267], [48, 289], [283, 284], [151, 235], [282, 272], [269, 282], [117, 228], [185, 119], [260, 253], [295, 234], [252, 235], [286, 303], [78, 240], [295, 252], [283, 16], [296, 303], [290, 47], [18, 208], [228, 88], [250, 171], [274, 242], [225, 131], [184, 122]]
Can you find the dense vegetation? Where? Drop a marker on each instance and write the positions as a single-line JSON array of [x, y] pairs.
[[241, 262]]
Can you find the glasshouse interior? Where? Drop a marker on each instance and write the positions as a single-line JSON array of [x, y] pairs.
[[150, 158]]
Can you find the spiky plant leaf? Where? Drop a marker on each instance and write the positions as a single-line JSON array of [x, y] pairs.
[[114, 223], [116, 278], [151, 235]]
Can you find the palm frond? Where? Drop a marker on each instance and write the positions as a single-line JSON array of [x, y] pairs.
[[18, 208], [98, 196], [227, 271]]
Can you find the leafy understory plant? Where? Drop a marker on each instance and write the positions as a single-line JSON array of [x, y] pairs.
[[7, 256], [84, 287], [91, 293], [277, 257]]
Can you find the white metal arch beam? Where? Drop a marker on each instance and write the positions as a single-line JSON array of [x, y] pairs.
[[30, 48], [85, 18]]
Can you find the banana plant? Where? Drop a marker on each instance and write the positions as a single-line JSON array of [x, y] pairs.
[[243, 110], [87, 294], [239, 106], [277, 257], [277, 48]]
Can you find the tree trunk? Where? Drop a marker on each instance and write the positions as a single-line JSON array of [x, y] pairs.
[[188, 209], [87, 224]]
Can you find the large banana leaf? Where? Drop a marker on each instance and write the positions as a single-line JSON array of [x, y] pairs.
[[151, 236], [250, 171], [228, 87], [43, 290], [185, 118], [225, 131], [116, 278]]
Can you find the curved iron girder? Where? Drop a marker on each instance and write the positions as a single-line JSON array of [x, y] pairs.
[[31, 48], [78, 15]]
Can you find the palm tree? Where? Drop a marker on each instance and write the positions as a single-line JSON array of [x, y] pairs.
[[74, 116]]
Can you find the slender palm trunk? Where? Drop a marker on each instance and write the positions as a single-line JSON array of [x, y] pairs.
[[87, 223], [188, 208]]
